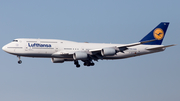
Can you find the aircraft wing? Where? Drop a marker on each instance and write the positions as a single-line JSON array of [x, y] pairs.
[[137, 43], [122, 47], [96, 53]]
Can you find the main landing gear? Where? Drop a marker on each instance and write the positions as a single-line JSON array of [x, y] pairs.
[[77, 63], [86, 63], [19, 61]]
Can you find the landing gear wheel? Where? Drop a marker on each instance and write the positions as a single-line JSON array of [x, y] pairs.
[[92, 64], [85, 64], [19, 62], [77, 66]]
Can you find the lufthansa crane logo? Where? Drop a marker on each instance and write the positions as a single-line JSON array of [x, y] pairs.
[[158, 33]]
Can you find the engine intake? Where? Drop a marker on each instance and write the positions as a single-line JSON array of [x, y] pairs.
[[108, 51], [80, 56], [57, 60]]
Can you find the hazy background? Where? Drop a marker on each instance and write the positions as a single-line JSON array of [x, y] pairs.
[[154, 77]]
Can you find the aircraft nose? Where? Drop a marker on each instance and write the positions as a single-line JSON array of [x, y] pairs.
[[4, 48]]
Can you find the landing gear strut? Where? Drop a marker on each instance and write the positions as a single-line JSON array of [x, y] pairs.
[[77, 63], [19, 61]]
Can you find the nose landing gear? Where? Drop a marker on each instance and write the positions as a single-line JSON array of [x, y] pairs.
[[19, 61]]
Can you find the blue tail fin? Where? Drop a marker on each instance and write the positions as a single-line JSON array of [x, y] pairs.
[[157, 33]]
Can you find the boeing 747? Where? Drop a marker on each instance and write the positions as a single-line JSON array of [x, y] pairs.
[[61, 51]]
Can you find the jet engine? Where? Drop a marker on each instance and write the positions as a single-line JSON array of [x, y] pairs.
[[80, 56], [108, 51], [57, 60]]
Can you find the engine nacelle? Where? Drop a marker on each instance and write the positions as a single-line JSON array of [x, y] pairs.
[[108, 51], [57, 60], [80, 56]]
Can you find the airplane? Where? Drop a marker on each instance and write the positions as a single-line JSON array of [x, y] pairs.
[[61, 51]]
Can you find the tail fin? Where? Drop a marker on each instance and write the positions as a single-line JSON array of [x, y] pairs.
[[157, 33]]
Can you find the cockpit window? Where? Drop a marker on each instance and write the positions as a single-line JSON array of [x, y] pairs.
[[15, 40]]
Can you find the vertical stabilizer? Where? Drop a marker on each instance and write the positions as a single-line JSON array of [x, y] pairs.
[[157, 33]]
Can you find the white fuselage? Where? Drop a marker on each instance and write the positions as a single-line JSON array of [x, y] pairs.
[[51, 48]]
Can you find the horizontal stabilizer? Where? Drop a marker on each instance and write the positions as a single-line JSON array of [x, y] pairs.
[[160, 47]]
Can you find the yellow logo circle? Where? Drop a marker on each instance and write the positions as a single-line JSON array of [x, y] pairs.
[[158, 33]]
